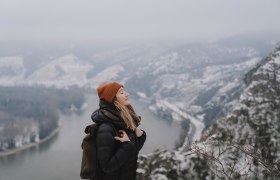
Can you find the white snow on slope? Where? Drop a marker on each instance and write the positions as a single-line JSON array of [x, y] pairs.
[[11, 70], [107, 74], [61, 72]]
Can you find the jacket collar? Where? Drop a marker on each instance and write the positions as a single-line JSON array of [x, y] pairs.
[[99, 117]]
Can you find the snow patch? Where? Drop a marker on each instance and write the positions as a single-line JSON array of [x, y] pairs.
[[142, 95]]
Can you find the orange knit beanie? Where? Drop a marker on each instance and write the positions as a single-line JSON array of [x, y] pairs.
[[107, 91]]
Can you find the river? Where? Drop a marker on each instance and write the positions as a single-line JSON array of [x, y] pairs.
[[59, 158]]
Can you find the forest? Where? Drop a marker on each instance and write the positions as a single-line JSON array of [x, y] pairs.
[[29, 114]]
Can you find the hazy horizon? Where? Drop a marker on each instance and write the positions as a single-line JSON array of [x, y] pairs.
[[128, 21]]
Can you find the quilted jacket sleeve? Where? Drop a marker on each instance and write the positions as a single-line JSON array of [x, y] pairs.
[[141, 140]]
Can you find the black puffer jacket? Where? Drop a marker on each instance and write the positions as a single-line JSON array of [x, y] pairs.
[[117, 160]]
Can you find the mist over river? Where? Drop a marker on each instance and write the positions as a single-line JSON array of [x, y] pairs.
[[60, 157]]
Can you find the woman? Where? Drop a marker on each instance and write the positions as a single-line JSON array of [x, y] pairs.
[[118, 137]]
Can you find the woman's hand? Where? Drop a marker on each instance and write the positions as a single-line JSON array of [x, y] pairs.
[[123, 136], [138, 132]]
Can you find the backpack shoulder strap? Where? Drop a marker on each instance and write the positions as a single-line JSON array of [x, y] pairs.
[[90, 129]]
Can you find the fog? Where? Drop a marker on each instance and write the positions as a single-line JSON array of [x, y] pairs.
[[128, 20]]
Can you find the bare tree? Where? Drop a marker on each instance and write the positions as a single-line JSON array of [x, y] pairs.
[[231, 160]]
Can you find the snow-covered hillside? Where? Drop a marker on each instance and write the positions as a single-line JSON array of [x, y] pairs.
[[70, 69], [192, 83], [242, 145], [62, 72], [11, 70]]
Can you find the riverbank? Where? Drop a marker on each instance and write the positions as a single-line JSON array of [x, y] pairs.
[[197, 124], [27, 146]]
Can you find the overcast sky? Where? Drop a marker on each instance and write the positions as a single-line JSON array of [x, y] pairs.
[[110, 20]]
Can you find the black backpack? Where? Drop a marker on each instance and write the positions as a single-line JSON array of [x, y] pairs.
[[89, 165]]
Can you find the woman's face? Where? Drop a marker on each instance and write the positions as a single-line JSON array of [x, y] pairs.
[[122, 97]]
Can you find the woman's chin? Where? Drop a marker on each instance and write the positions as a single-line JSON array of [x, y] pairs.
[[127, 103]]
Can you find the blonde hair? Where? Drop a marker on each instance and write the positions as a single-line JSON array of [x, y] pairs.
[[128, 114]]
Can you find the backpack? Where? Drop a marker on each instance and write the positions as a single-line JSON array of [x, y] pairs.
[[89, 165], [89, 157]]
